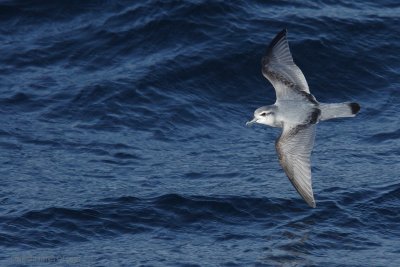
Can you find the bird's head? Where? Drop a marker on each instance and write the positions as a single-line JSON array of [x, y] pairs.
[[264, 115]]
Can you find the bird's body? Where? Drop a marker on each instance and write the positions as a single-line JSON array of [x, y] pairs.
[[296, 111]]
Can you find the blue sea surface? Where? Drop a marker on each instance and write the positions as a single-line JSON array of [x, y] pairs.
[[123, 138]]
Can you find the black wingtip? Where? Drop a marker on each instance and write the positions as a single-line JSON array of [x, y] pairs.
[[277, 38], [355, 108], [283, 31]]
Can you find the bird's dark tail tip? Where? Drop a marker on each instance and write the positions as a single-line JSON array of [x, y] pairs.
[[355, 108]]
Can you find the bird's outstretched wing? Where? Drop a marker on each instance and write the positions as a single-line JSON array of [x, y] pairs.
[[278, 67], [294, 148]]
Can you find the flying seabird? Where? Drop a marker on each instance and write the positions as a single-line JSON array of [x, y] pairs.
[[297, 112]]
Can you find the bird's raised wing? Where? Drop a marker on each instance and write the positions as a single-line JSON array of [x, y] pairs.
[[294, 148], [278, 67]]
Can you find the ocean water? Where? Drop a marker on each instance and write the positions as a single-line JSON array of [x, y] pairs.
[[123, 138]]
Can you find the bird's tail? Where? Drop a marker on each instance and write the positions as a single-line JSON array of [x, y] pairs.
[[338, 110]]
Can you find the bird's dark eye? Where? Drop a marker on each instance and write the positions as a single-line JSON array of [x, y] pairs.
[[264, 114]]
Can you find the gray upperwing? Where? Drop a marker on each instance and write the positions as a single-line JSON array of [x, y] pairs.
[[278, 67], [294, 148]]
